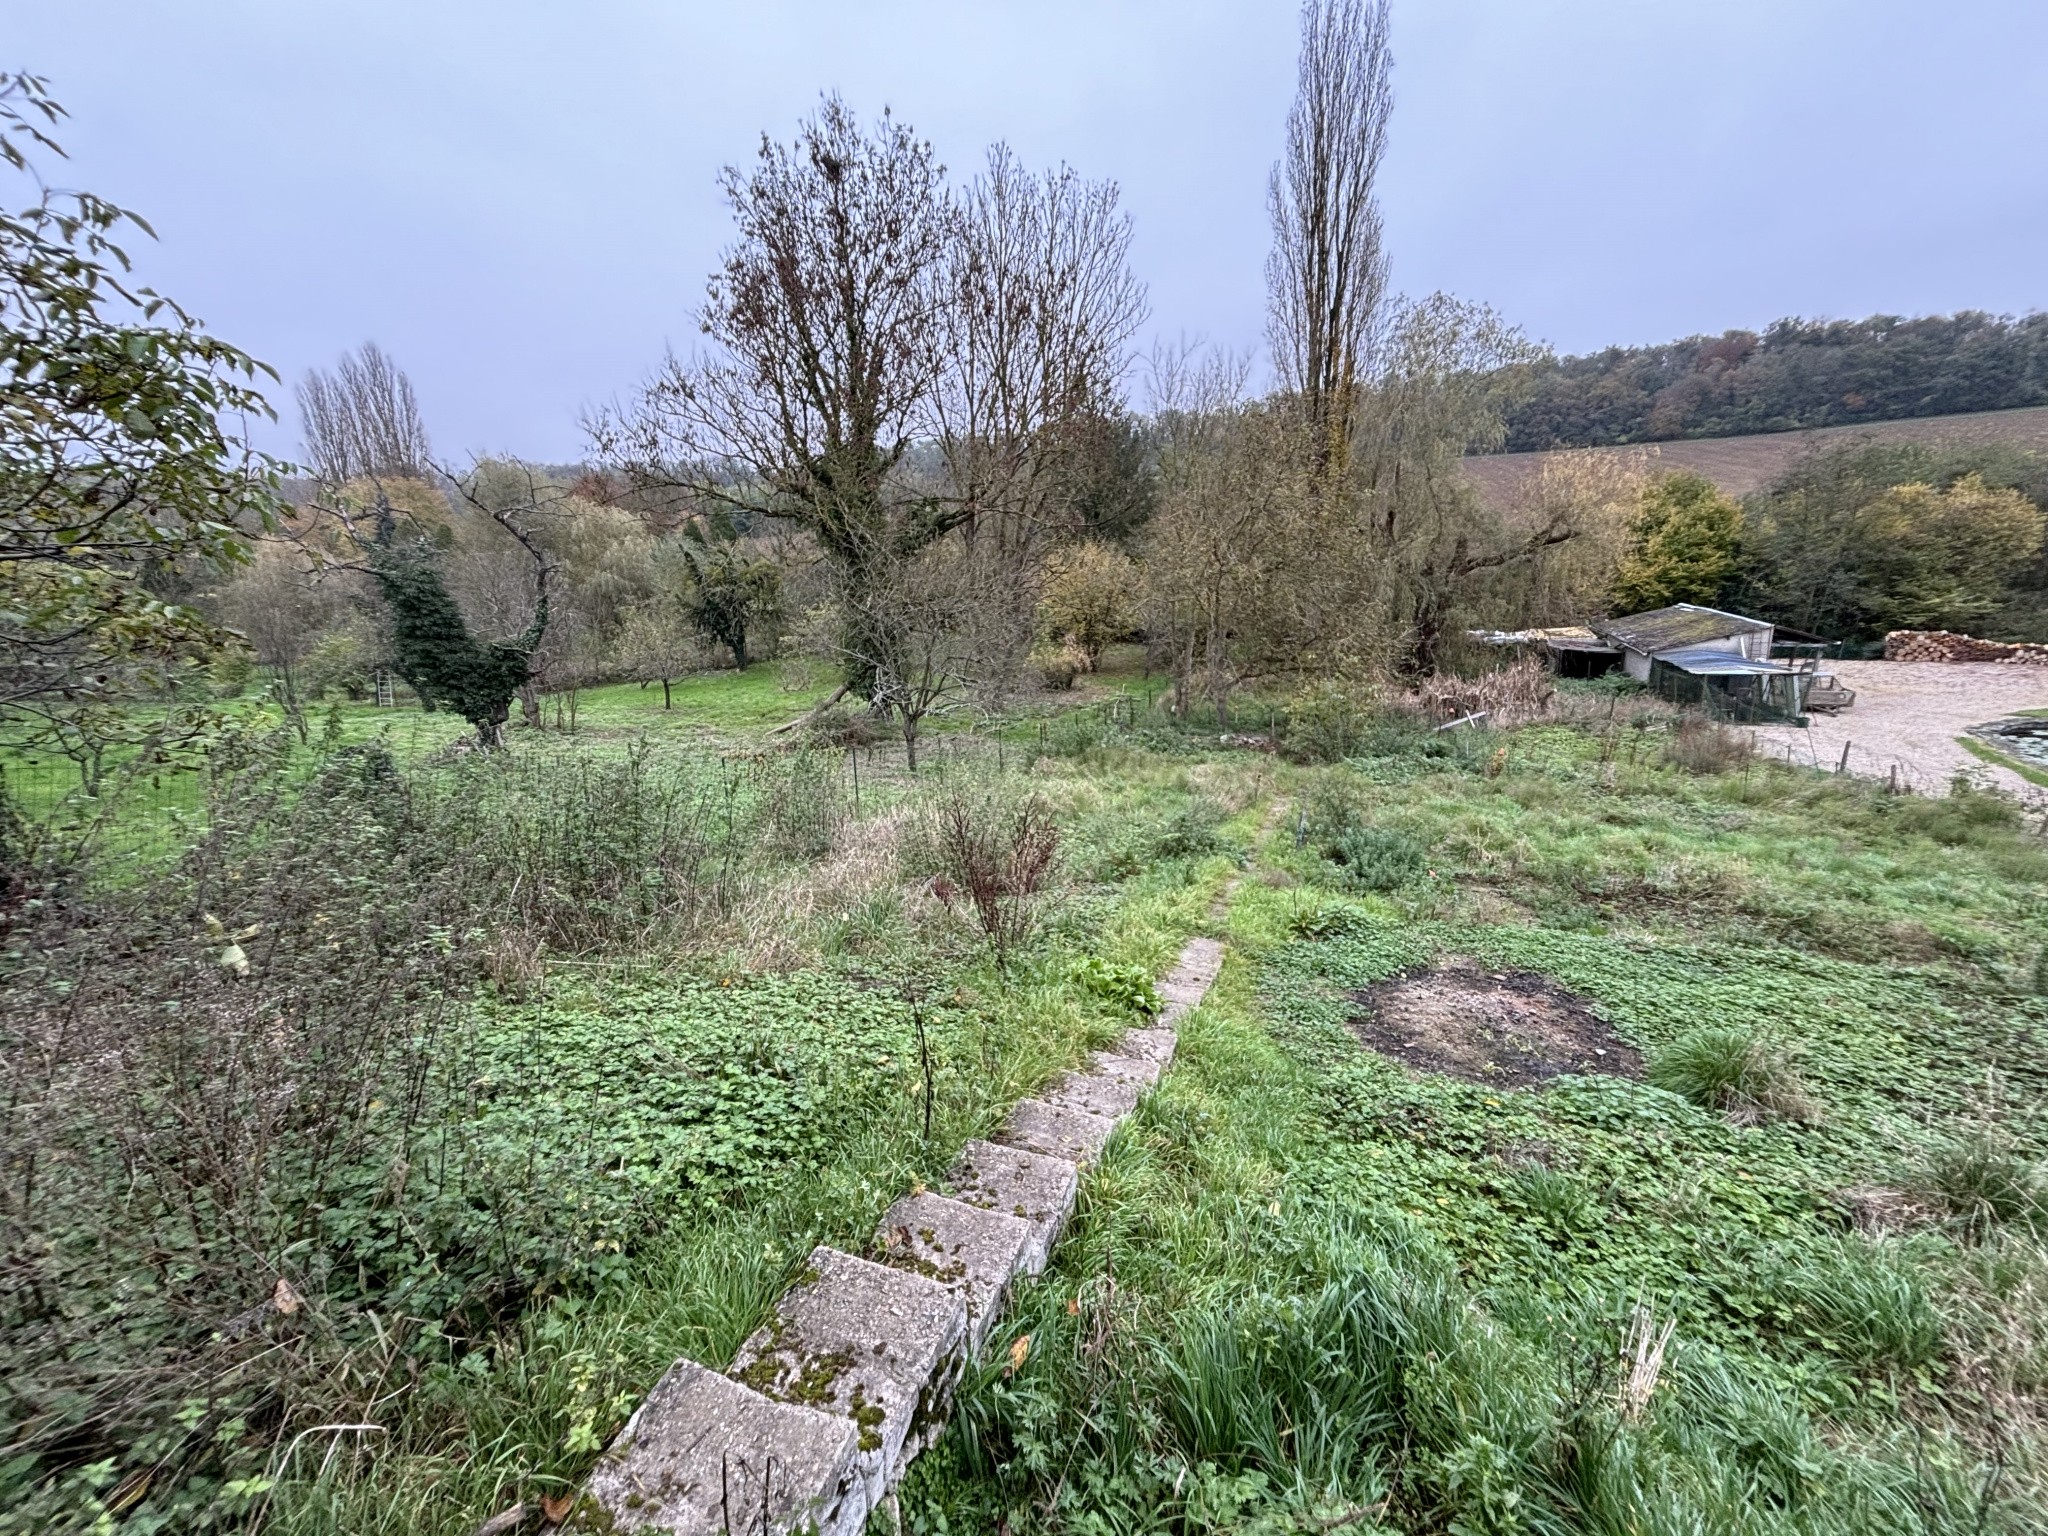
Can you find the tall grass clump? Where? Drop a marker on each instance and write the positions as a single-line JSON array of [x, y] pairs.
[[1740, 1072], [1699, 745], [1978, 1179], [1866, 1303]]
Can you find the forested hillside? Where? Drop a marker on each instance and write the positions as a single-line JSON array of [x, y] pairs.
[[1795, 374]]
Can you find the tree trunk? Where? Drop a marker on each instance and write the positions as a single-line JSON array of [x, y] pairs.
[[294, 707], [664, 693], [529, 704]]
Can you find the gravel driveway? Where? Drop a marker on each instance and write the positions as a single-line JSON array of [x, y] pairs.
[[1910, 713]]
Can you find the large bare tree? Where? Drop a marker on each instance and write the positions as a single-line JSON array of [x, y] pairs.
[[1326, 278], [1041, 308], [826, 340], [887, 363]]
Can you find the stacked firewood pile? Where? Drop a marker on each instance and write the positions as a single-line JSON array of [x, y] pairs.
[[1946, 645]]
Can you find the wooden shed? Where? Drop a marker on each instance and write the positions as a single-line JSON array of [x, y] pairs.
[[1721, 661], [1642, 637]]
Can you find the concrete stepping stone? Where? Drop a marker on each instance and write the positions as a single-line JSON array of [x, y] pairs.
[[880, 1347], [1036, 1189], [1056, 1131], [825, 1406], [1150, 1044], [1093, 1093], [703, 1455], [1134, 1069], [972, 1251]]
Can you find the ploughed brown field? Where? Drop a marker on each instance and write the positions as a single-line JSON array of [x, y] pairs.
[[1739, 465]]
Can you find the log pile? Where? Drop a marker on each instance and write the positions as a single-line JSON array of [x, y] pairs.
[[1946, 645]]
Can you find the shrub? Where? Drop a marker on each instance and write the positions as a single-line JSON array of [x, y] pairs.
[[235, 1187], [1187, 831], [1139, 842], [232, 673], [1327, 723], [340, 661], [1001, 858], [1737, 1071], [1399, 733], [1329, 808], [801, 806], [1090, 599], [1075, 733], [1059, 665], [1376, 859]]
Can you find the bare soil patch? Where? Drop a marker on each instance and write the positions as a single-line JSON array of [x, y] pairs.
[[1507, 1029]]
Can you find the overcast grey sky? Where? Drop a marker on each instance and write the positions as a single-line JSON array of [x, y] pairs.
[[517, 197]]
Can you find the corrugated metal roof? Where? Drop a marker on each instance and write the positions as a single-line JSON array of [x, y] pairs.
[[1676, 627], [1713, 661]]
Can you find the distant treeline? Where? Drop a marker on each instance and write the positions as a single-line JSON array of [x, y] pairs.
[[1796, 374]]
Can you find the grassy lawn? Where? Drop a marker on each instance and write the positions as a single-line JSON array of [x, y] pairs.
[[1326, 1285], [1334, 1276]]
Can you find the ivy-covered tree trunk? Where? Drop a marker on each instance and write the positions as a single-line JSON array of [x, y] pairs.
[[435, 652]]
